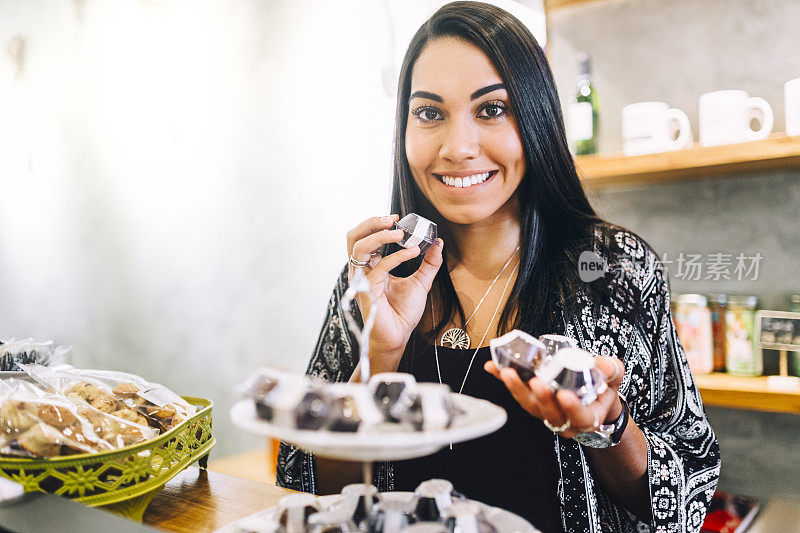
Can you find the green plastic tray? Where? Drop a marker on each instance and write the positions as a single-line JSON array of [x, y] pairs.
[[124, 480]]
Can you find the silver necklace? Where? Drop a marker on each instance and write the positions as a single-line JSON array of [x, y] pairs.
[[469, 367], [458, 337]]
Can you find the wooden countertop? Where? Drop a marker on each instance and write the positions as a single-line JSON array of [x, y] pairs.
[[199, 500]]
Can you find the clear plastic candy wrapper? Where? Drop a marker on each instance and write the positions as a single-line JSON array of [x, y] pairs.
[[553, 343], [417, 231], [358, 501], [295, 510], [391, 516], [466, 517], [434, 498], [39, 423], [126, 396], [518, 350], [389, 402], [28, 351], [575, 370]]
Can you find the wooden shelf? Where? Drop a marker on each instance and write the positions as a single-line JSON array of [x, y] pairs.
[[774, 153], [754, 394]]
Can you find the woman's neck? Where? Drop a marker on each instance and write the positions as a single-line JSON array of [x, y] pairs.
[[484, 247]]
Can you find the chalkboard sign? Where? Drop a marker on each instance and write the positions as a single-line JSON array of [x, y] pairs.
[[778, 330]]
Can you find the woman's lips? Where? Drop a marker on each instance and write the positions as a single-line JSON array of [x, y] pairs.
[[462, 181]]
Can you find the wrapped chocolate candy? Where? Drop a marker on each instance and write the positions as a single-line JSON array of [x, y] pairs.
[[391, 516], [466, 517], [358, 501], [417, 231], [314, 409], [394, 394], [331, 522], [434, 497], [518, 350], [432, 409], [575, 370], [294, 511], [554, 343], [351, 407], [426, 527]]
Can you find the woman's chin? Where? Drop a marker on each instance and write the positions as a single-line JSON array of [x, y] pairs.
[[465, 215]]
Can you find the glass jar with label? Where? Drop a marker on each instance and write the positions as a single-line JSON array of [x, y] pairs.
[[742, 357], [693, 322], [718, 304]]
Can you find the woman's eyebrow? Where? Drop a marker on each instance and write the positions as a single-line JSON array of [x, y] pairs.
[[473, 96], [487, 89], [426, 94]]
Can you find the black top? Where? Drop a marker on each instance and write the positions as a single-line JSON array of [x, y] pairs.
[[513, 468]]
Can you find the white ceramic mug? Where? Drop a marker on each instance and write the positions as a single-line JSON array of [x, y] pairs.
[[652, 127], [725, 118], [791, 94]]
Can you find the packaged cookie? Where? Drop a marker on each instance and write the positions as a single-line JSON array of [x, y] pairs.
[[37, 423], [28, 351], [120, 394]]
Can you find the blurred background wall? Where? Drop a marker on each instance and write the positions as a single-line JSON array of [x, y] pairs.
[[673, 51], [177, 176]]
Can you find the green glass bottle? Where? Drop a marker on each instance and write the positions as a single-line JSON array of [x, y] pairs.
[[584, 111]]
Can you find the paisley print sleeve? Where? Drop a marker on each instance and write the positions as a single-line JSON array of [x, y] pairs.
[[332, 360]]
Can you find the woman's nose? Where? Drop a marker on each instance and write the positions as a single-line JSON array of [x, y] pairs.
[[460, 142]]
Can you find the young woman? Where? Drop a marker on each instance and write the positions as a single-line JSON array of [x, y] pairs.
[[481, 151]]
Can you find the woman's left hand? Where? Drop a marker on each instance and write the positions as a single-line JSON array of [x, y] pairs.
[[564, 406]]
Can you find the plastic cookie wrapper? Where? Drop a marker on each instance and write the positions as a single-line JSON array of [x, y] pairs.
[[352, 408], [28, 351], [466, 517], [295, 510], [518, 350], [433, 498], [574, 370], [394, 394], [391, 516], [116, 393], [432, 409], [41, 424], [553, 343], [417, 231]]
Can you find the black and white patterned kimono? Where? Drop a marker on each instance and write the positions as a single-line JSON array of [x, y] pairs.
[[682, 450]]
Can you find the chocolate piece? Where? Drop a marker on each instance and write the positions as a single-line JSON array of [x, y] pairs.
[[394, 393], [553, 343], [417, 231], [466, 517], [432, 409], [359, 500], [434, 497], [295, 510], [575, 370], [313, 411], [391, 516], [518, 350]]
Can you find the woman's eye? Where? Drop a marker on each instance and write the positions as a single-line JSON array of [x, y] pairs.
[[492, 110], [427, 114]]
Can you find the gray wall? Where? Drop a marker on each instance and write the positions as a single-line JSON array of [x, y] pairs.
[[674, 51]]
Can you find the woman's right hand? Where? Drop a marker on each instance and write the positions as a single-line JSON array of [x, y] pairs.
[[400, 302]]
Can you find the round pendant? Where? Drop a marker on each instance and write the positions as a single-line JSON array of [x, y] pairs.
[[457, 338]]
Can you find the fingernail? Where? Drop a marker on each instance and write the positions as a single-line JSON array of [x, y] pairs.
[[440, 243]]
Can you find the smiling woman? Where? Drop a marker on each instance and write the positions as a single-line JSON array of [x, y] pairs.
[[480, 149]]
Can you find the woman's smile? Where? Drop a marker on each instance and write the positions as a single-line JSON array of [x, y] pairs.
[[464, 180]]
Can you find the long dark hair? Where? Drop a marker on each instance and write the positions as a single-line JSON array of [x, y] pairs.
[[556, 217]]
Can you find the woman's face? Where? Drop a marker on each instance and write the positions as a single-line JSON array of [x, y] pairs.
[[462, 143]]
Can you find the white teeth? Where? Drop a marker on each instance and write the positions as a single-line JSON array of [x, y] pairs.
[[467, 181]]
